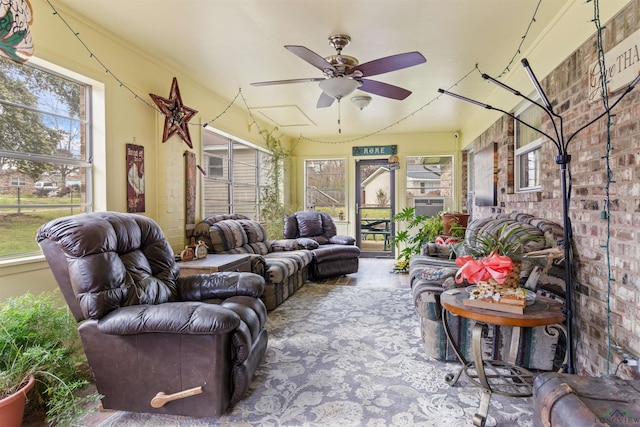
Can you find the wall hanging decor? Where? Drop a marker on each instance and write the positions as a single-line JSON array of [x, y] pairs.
[[190, 188], [177, 115], [135, 178], [15, 36]]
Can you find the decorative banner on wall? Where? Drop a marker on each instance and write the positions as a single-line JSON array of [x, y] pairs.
[[375, 150], [623, 65], [15, 36], [135, 178], [190, 187]]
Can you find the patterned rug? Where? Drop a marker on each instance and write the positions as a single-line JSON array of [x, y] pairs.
[[349, 356]]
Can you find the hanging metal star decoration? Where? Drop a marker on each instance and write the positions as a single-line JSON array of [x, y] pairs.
[[177, 115]]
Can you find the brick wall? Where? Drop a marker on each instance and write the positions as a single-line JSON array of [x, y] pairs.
[[567, 88]]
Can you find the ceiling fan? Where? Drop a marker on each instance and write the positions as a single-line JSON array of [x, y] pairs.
[[343, 74]]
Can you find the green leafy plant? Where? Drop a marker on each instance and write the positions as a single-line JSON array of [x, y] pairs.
[[38, 337], [420, 229], [508, 240], [273, 210]]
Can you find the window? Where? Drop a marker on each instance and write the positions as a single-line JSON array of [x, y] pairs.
[[215, 169], [18, 181], [325, 186], [429, 183], [527, 148], [45, 144], [234, 178]]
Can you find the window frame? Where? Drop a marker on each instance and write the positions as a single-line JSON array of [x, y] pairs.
[[235, 187], [519, 153], [91, 118], [337, 211], [422, 191]]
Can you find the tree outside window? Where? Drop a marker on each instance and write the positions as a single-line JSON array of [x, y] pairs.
[[325, 186], [44, 164]]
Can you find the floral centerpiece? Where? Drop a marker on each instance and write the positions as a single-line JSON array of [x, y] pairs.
[[493, 267], [496, 287]]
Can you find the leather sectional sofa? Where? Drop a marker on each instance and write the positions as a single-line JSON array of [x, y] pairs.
[[333, 254]]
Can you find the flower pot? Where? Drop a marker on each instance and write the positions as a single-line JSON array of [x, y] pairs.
[[450, 219], [12, 407]]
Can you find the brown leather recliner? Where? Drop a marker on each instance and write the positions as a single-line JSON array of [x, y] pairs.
[[333, 254], [147, 331]]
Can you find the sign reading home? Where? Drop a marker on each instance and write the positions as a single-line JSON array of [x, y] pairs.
[[622, 65], [375, 150]]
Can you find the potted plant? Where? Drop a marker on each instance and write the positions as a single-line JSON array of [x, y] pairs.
[[420, 229], [454, 220], [39, 342]]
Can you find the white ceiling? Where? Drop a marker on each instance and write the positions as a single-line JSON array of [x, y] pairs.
[[228, 44]]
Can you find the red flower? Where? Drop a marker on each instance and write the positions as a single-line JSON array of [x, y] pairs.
[[496, 267]]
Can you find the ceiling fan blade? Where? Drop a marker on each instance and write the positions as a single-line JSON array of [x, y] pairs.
[[325, 101], [389, 63], [383, 89], [282, 82], [311, 57]]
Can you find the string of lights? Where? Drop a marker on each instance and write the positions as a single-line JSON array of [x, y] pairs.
[[301, 137], [606, 212], [524, 37]]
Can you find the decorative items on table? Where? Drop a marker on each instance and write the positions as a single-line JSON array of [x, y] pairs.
[[201, 250], [497, 283]]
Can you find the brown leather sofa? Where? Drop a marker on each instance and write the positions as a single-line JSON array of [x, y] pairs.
[[144, 329], [333, 254]]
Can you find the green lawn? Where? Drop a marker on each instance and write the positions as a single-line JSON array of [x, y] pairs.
[[19, 230]]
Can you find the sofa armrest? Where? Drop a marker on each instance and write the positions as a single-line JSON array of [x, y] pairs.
[[170, 317], [438, 250], [284, 245], [200, 287], [340, 239]]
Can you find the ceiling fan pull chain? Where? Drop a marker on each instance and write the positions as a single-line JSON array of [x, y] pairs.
[[339, 124]]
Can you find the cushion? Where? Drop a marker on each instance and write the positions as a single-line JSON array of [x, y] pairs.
[[437, 274], [308, 244], [227, 235], [309, 224], [285, 245], [438, 250]]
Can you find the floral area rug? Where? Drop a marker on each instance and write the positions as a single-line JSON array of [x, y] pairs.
[[349, 356]]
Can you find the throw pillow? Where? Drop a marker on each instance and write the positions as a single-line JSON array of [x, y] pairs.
[[435, 274]]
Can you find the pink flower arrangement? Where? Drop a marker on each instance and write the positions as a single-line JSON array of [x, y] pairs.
[[494, 266]]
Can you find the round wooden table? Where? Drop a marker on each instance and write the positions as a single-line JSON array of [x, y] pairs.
[[497, 376]]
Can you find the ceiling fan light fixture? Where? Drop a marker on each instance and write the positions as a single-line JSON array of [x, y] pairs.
[[338, 87], [361, 101]]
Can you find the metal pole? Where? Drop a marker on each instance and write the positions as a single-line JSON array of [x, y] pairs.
[[563, 160]]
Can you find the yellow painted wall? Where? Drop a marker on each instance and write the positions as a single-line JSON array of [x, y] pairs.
[[443, 143], [128, 120]]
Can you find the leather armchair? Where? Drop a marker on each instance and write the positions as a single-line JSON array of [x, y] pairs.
[[333, 254], [155, 342]]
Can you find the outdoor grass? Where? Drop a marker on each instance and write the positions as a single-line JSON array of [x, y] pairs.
[[19, 230]]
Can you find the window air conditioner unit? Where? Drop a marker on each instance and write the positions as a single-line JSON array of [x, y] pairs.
[[429, 207]]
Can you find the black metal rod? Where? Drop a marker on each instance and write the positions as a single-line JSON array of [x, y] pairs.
[[563, 160]]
